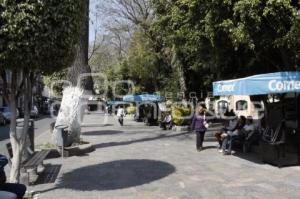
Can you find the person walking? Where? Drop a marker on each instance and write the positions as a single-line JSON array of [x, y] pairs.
[[120, 115], [198, 125], [13, 188]]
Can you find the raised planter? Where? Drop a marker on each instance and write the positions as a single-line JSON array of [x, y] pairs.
[[180, 128], [82, 148]]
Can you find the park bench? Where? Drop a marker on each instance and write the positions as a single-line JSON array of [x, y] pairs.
[[246, 142], [32, 162]]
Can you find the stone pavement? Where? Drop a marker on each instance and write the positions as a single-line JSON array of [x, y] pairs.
[[141, 162]]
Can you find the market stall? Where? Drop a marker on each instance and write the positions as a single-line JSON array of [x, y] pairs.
[[146, 107], [280, 137]]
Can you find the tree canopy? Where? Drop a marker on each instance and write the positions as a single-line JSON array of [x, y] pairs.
[[39, 34], [196, 42], [231, 38]]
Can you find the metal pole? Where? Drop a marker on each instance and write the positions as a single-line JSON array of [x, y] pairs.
[[62, 145], [62, 151]]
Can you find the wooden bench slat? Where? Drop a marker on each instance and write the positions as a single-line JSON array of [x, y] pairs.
[[37, 157], [36, 160]]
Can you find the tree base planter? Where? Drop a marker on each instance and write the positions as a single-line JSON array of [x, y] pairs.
[[81, 149]]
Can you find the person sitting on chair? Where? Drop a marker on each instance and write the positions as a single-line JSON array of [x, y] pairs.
[[248, 133], [233, 122], [229, 136], [14, 188]]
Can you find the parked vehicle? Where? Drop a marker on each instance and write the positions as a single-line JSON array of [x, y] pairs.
[[2, 119], [7, 113], [34, 112]]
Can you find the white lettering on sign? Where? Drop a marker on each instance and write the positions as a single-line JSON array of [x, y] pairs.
[[226, 88], [284, 85]]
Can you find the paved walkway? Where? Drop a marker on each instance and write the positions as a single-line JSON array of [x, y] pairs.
[[141, 162]]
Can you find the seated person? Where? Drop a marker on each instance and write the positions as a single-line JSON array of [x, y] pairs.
[[167, 122], [248, 128], [248, 132], [17, 189], [229, 136], [231, 127]]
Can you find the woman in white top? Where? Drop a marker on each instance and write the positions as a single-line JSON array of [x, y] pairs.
[[120, 115]]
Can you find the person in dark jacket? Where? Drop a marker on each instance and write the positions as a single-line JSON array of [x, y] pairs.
[[198, 125], [231, 135], [18, 189], [233, 122]]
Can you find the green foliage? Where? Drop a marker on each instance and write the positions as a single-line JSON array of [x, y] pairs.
[[220, 39], [37, 34], [211, 40], [131, 110], [49, 81], [180, 115], [144, 65]]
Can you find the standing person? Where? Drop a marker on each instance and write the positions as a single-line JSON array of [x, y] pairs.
[[167, 122], [198, 125], [17, 189], [120, 115]]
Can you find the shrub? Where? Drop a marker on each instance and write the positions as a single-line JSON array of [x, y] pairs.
[[180, 115], [131, 110]]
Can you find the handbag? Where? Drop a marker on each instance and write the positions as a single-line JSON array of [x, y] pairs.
[[205, 123]]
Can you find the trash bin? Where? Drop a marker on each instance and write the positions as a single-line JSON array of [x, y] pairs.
[[20, 124], [29, 142], [52, 125], [61, 136]]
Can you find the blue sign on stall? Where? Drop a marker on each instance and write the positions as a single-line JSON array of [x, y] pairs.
[[143, 98], [280, 82]]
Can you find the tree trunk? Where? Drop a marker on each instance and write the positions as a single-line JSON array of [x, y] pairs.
[[16, 161], [80, 65], [24, 138], [75, 96], [177, 65], [70, 114], [18, 140]]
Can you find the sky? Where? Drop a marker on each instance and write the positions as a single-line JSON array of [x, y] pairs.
[[92, 20]]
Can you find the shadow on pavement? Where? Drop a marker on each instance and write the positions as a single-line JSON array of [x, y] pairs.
[[208, 147], [251, 157], [161, 136], [104, 132], [114, 175], [49, 175], [95, 125]]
